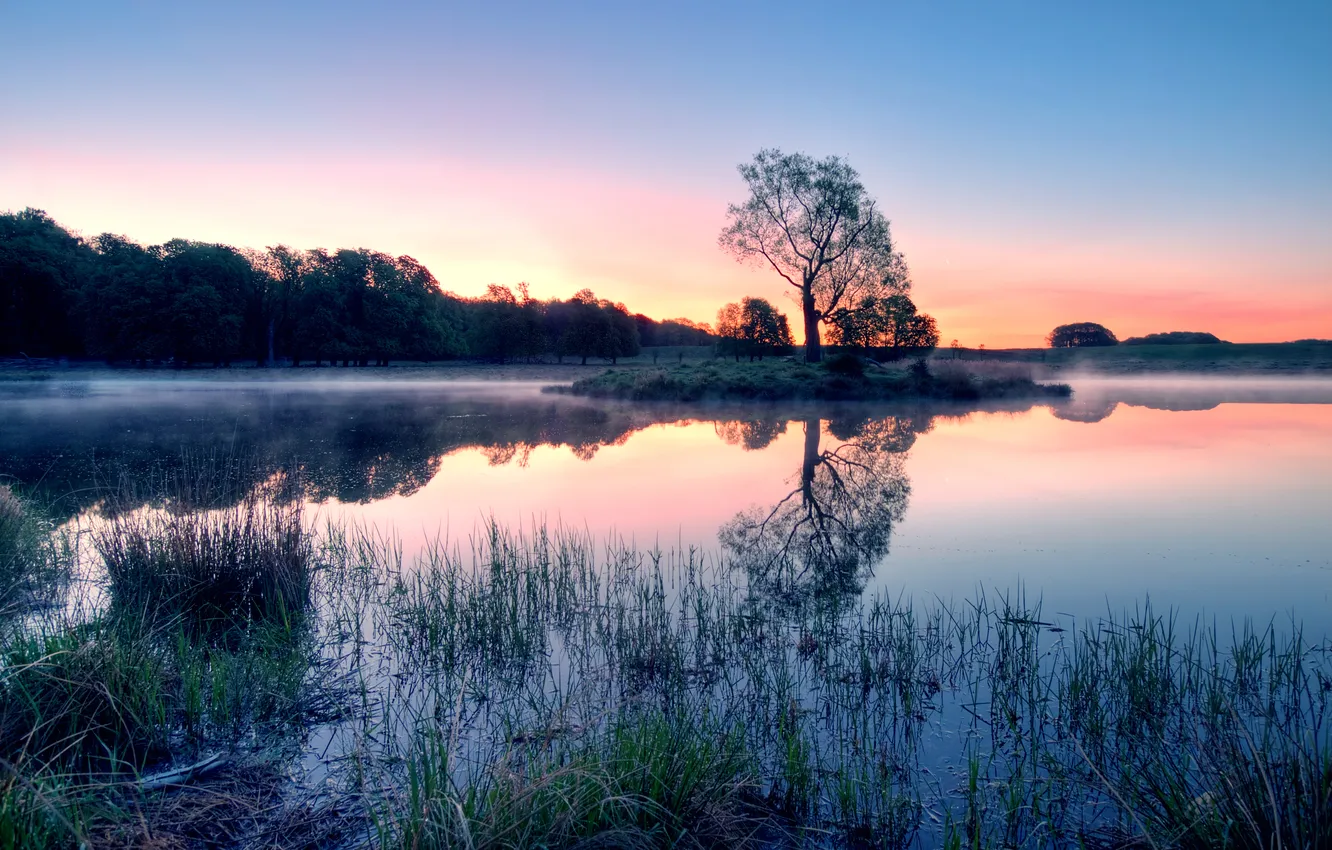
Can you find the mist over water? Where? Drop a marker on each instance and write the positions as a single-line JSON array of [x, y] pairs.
[[1207, 495]]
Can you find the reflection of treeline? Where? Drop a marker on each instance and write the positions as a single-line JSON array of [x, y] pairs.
[[196, 303], [352, 448]]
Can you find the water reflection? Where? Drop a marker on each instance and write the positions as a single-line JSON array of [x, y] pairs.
[[349, 447], [212, 448], [1095, 399], [807, 499], [821, 539]]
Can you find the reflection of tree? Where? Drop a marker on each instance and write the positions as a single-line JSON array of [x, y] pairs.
[[750, 433], [1081, 409], [821, 539]]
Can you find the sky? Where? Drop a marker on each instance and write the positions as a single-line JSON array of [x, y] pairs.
[[1148, 166]]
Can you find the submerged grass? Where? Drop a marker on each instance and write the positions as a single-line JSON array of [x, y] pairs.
[[546, 689]]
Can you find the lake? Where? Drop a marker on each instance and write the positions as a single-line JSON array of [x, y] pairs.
[[1206, 495], [890, 626]]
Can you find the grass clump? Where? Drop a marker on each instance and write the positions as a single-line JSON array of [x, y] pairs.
[[249, 561], [85, 698], [33, 559], [645, 782], [843, 377]]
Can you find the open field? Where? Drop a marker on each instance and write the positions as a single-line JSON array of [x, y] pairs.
[[1223, 358]]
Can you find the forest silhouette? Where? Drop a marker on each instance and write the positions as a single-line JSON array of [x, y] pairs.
[[190, 303]]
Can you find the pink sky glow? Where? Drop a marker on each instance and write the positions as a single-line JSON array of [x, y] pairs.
[[651, 243]]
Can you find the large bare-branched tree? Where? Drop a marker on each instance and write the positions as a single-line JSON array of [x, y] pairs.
[[815, 225]]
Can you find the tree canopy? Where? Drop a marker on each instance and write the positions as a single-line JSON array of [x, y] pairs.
[[889, 324], [1081, 335], [1174, 338], [193, 303], [814, 223], [753, 328]]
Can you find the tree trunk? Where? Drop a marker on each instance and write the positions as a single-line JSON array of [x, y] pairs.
[[813, 346], [272, 321]]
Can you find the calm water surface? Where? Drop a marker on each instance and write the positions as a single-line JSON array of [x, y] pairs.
[[1210, 496]]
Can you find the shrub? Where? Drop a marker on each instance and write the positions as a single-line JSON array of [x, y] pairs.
[[848, 365]]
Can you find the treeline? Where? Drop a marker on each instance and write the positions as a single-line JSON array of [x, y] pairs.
[[191, 303]]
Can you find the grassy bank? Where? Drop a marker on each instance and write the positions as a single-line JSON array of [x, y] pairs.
[[1275, 358], [547, 689], [841, 378]]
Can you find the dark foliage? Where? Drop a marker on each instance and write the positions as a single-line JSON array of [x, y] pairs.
[[1081, 335], [888, 327], [845, 364], [753, 328], [192, 303], [1174, 338]]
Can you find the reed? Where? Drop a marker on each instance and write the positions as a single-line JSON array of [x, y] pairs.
[[543, 688], [249, 560]]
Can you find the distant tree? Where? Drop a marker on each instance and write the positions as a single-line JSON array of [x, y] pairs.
[[42, 269], [206, 290], [122, 301], [1174, 338], [753, 328], [282, 274], [1081, 335], [587, 329], [595, 328], [197, 303], [652, 333], [497, 328], [890, 323], [621, 339], [814, 223]]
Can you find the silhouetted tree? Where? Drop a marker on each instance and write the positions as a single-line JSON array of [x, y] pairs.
[[890, 323], [121, 301], [1174, 338], [752, 328], [814, 223], [192, 303], [42, 267], [593, 328], [1081, 335]]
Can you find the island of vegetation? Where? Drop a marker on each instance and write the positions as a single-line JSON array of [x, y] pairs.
[[843, 377]]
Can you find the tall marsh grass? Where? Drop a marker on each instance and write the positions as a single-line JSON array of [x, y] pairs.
[[249, 560], [543, 688]]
